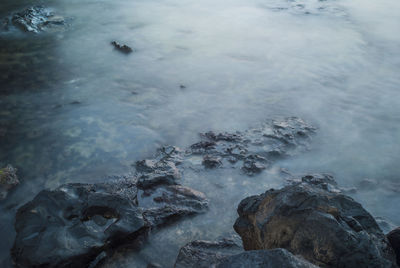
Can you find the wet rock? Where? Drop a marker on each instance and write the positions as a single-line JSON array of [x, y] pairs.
[[8, 180], [74, 224], [167, 204], [210, 161], [385, 224], [37, 19], [394, 239], [265, 259], [122, 48], [153, 172], [204, 254], [255, 149], [226, 253], [368, 184], [309, 219]]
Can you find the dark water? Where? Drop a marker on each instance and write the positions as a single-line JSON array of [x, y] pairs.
[[72, 109]]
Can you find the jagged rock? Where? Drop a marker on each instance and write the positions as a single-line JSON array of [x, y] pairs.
[[264, 259], [325, 227], [167, 204], [8, 180], [210, 161], [227, 254], [256, 148], [122, 48], [37, 19], [153, 172], [73, 224], [205, 254], [394, 239]]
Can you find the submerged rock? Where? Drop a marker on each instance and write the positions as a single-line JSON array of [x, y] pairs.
[[122, 48], [394, 239], [226, 253], [8, 180], [37, 19], [327, 228], [77, 225], [255, 149]]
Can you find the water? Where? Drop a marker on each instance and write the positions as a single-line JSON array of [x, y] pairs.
[[72, 109]]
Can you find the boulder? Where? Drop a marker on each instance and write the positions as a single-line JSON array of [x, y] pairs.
[[73, 224], [394, 239], [309, 219], [122, 48], [225, 253], [79, 225], [203, 254], [264, 259], [8, 180]]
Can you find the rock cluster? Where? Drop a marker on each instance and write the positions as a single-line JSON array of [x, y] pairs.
[[313, 219], [35, 20], [77, 225]]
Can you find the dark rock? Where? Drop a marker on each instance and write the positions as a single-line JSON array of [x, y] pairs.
[[264, 259], [394, 239], [8, 180], [226, 253], [153, 172], [153, 265], [204, 254], [37, 19], [256, 148], [122, 48], [167, 204], [368, 184], [210, 161], [325, 227], [72, 225]]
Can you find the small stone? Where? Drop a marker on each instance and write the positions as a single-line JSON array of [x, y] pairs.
[[122, 48]]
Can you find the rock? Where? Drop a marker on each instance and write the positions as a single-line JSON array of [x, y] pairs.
[[167, 204], [122, 48], [325, 227], [226, 253], [265, 259], [203, 254], [37, 19], [72, 225], [153, 172], [394, 239], [210, 161], [8, 180], [255, 149]]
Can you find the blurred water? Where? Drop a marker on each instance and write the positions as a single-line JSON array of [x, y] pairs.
[[73, 109]]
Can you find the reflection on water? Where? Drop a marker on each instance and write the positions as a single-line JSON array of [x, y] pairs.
[[74, 109]]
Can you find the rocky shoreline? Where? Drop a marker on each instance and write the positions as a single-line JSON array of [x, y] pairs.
[[308, 223]]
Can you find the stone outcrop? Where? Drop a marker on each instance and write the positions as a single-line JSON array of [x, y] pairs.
[[227, 254], [77, 225], [312, 219], [394, 239]]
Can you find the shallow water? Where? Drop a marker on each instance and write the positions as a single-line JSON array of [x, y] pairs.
[[72, 109]]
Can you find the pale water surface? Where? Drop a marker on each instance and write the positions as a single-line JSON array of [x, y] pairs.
[[72, 109]]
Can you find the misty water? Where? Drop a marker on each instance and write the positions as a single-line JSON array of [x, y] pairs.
[[73, 109]]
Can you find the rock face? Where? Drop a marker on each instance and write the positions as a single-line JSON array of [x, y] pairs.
[[325, 227], [36, 19], [8, 180], [255, 149], [264, 259], [77, 225], [226, 254], [394, 239], [204, 254]]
